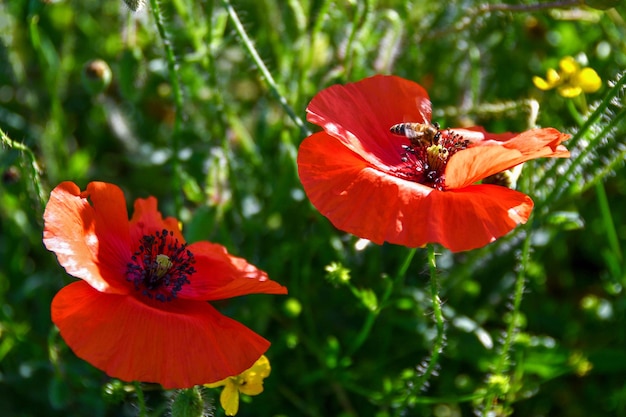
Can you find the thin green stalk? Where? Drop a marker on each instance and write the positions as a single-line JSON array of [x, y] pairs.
[[438, 344], [35, 171], [373, 315], [178, 100], [502, 361], [141, 401], [360, 17], [437, 313], [607, 220], [309, 55], [243, 35], [573, 111]]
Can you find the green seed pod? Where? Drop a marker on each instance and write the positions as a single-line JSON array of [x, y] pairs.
[[96, 76], [188, 403], [135, 5]]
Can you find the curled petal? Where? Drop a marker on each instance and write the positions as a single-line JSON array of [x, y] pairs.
[[220, 275], [492, 156], [91, 241], [178, 345], [541, 84]]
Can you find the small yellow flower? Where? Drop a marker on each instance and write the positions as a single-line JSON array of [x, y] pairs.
[[571, 80], [249, 382]]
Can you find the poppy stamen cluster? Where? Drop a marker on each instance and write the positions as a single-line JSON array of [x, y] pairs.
[[427, 164], [161, 266]]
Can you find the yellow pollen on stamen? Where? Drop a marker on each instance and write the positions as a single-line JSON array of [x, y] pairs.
[[163, 264], [437, 155]]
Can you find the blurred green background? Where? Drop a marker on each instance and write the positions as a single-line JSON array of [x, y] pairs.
[[193, 121]]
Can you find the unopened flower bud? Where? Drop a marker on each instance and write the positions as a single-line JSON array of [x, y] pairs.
[[188, 403], [96, 76]]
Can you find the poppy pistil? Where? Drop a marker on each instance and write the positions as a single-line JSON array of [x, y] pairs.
[[161, 266], [426, 163]]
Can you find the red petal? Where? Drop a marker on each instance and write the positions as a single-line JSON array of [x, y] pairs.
[[476, 215], [374, 205], [176, 344], [220, 275], [91, 241], [492, 156], [360, 114], [147, 220]]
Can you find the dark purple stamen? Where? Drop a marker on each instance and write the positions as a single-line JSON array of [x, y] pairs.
[[427, 164], [161, 266]]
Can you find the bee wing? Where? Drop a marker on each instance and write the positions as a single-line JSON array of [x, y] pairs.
[[424, 108]]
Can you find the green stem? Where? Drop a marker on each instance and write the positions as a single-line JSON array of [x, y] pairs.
[[360, 17], [141, 401], [178, 100], [241, 31], [573, 111], [502, 362], [35, 171], [438, 316], [607, 220], [529, 7], [373, 315]]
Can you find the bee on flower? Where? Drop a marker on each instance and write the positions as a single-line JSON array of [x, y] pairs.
[[381, 170]]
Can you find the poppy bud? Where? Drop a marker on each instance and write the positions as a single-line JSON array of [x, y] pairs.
[[114, 392], [96, 76], [188, 403], [135, 5]]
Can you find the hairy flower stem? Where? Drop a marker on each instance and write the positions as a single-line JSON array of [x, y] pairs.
[[35, 170], [603, 203], [178, 100], [473, 13], [245, 39], [502, 362], [488, 8], [437, 315], [584, 132]]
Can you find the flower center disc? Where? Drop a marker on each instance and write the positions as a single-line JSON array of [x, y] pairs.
[[161, 266], [425, 161]]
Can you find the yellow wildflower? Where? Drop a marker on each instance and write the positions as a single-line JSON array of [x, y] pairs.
[[249, 382], [571, 80]]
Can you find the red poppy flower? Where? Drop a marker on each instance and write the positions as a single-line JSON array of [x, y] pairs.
[[416, 185], [140, 312]]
